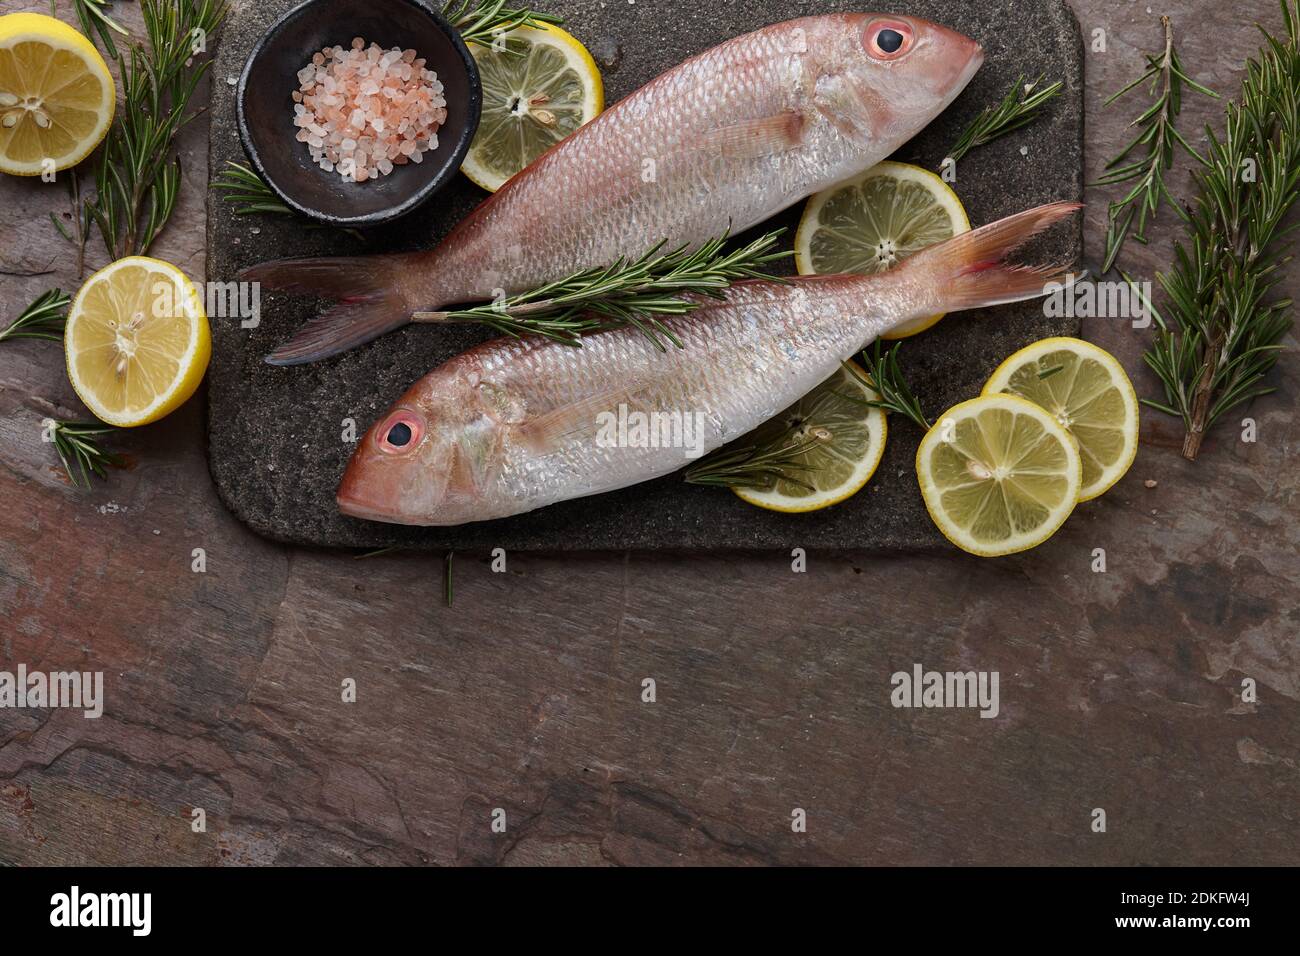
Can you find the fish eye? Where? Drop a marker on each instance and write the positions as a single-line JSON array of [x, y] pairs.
[[400, 433], [888, 39]]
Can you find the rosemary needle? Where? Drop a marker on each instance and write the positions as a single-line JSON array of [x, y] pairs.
[[632, 293], [137, 173], [75, 444], [1018, 108], [887, 377], [1157, 137], [43, 319], [482, 22], [1222, 329]]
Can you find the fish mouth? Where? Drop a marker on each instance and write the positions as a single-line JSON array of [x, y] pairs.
[[356, 508]]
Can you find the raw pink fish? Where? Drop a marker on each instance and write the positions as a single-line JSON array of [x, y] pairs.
[[516, 424], [723, 141]]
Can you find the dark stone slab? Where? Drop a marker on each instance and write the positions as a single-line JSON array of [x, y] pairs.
[[276, 452]]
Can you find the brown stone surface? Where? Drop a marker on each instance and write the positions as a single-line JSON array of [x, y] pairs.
[[1119, 690]]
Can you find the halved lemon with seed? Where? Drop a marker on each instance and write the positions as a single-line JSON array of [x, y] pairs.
[[137, 341], [539, 86], [870, 224], [56, 95], [1089, 392], [837, 440], [998, 474]]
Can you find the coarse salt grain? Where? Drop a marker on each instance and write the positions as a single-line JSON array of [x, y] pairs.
[[365, 110]]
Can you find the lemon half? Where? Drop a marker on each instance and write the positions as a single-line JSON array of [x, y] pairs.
[[998, 475], [1089, 392], [870, 224], [56, 95], [137, 341], [846, 439], [539, 86]]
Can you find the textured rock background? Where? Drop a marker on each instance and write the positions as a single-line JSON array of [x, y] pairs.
[[275, 433], [1119, 690]]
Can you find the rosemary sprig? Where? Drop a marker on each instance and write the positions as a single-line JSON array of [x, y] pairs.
[[241, 185], [81, 220], [96, 23], [756, 466], [447, 590], [1220, 334], [137, 175], [1157, 138], [1018, 108], [75, 443], [482, 21], [887, 377], [43, 319], [629, 292]]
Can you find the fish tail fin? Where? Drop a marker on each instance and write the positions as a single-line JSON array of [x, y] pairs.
[[970, 271], [371, 301]]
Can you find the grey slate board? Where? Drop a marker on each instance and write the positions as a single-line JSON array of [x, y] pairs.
[[275, 434]]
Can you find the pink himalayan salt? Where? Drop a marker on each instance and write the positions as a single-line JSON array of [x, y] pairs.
[[365, 110]]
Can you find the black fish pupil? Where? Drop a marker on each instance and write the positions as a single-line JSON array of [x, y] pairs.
[[399, 435], [889, 40]]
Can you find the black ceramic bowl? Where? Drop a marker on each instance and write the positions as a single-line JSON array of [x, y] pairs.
[[265, 106]]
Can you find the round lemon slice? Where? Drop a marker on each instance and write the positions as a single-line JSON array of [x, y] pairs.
[[56, 95], [137, 341], [998, 474], [1088, 391], [539, 85], [843, 439], [871, 223]]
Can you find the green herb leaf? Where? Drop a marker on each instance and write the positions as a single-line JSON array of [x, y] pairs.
[[1221, 330], [43, 319], [95, 22], [1018, 109], [137, 174], [482, 21], [887, 377], [243, 186], [755, 466], [628, 293], [76, 445], [1154, 149]]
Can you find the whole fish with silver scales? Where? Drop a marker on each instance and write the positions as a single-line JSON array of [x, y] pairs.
[[734, 135]]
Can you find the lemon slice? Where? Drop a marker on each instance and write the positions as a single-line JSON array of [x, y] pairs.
[[137, 341], [1088, 391], [56, 95], [998, 475], [845, 439], [539, 85], [871, 223]]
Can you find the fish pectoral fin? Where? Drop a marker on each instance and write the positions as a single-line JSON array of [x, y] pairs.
[[757, 137], [576, 420]]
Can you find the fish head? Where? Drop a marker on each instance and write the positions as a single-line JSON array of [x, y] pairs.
[[890, 75], [432, 458]]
